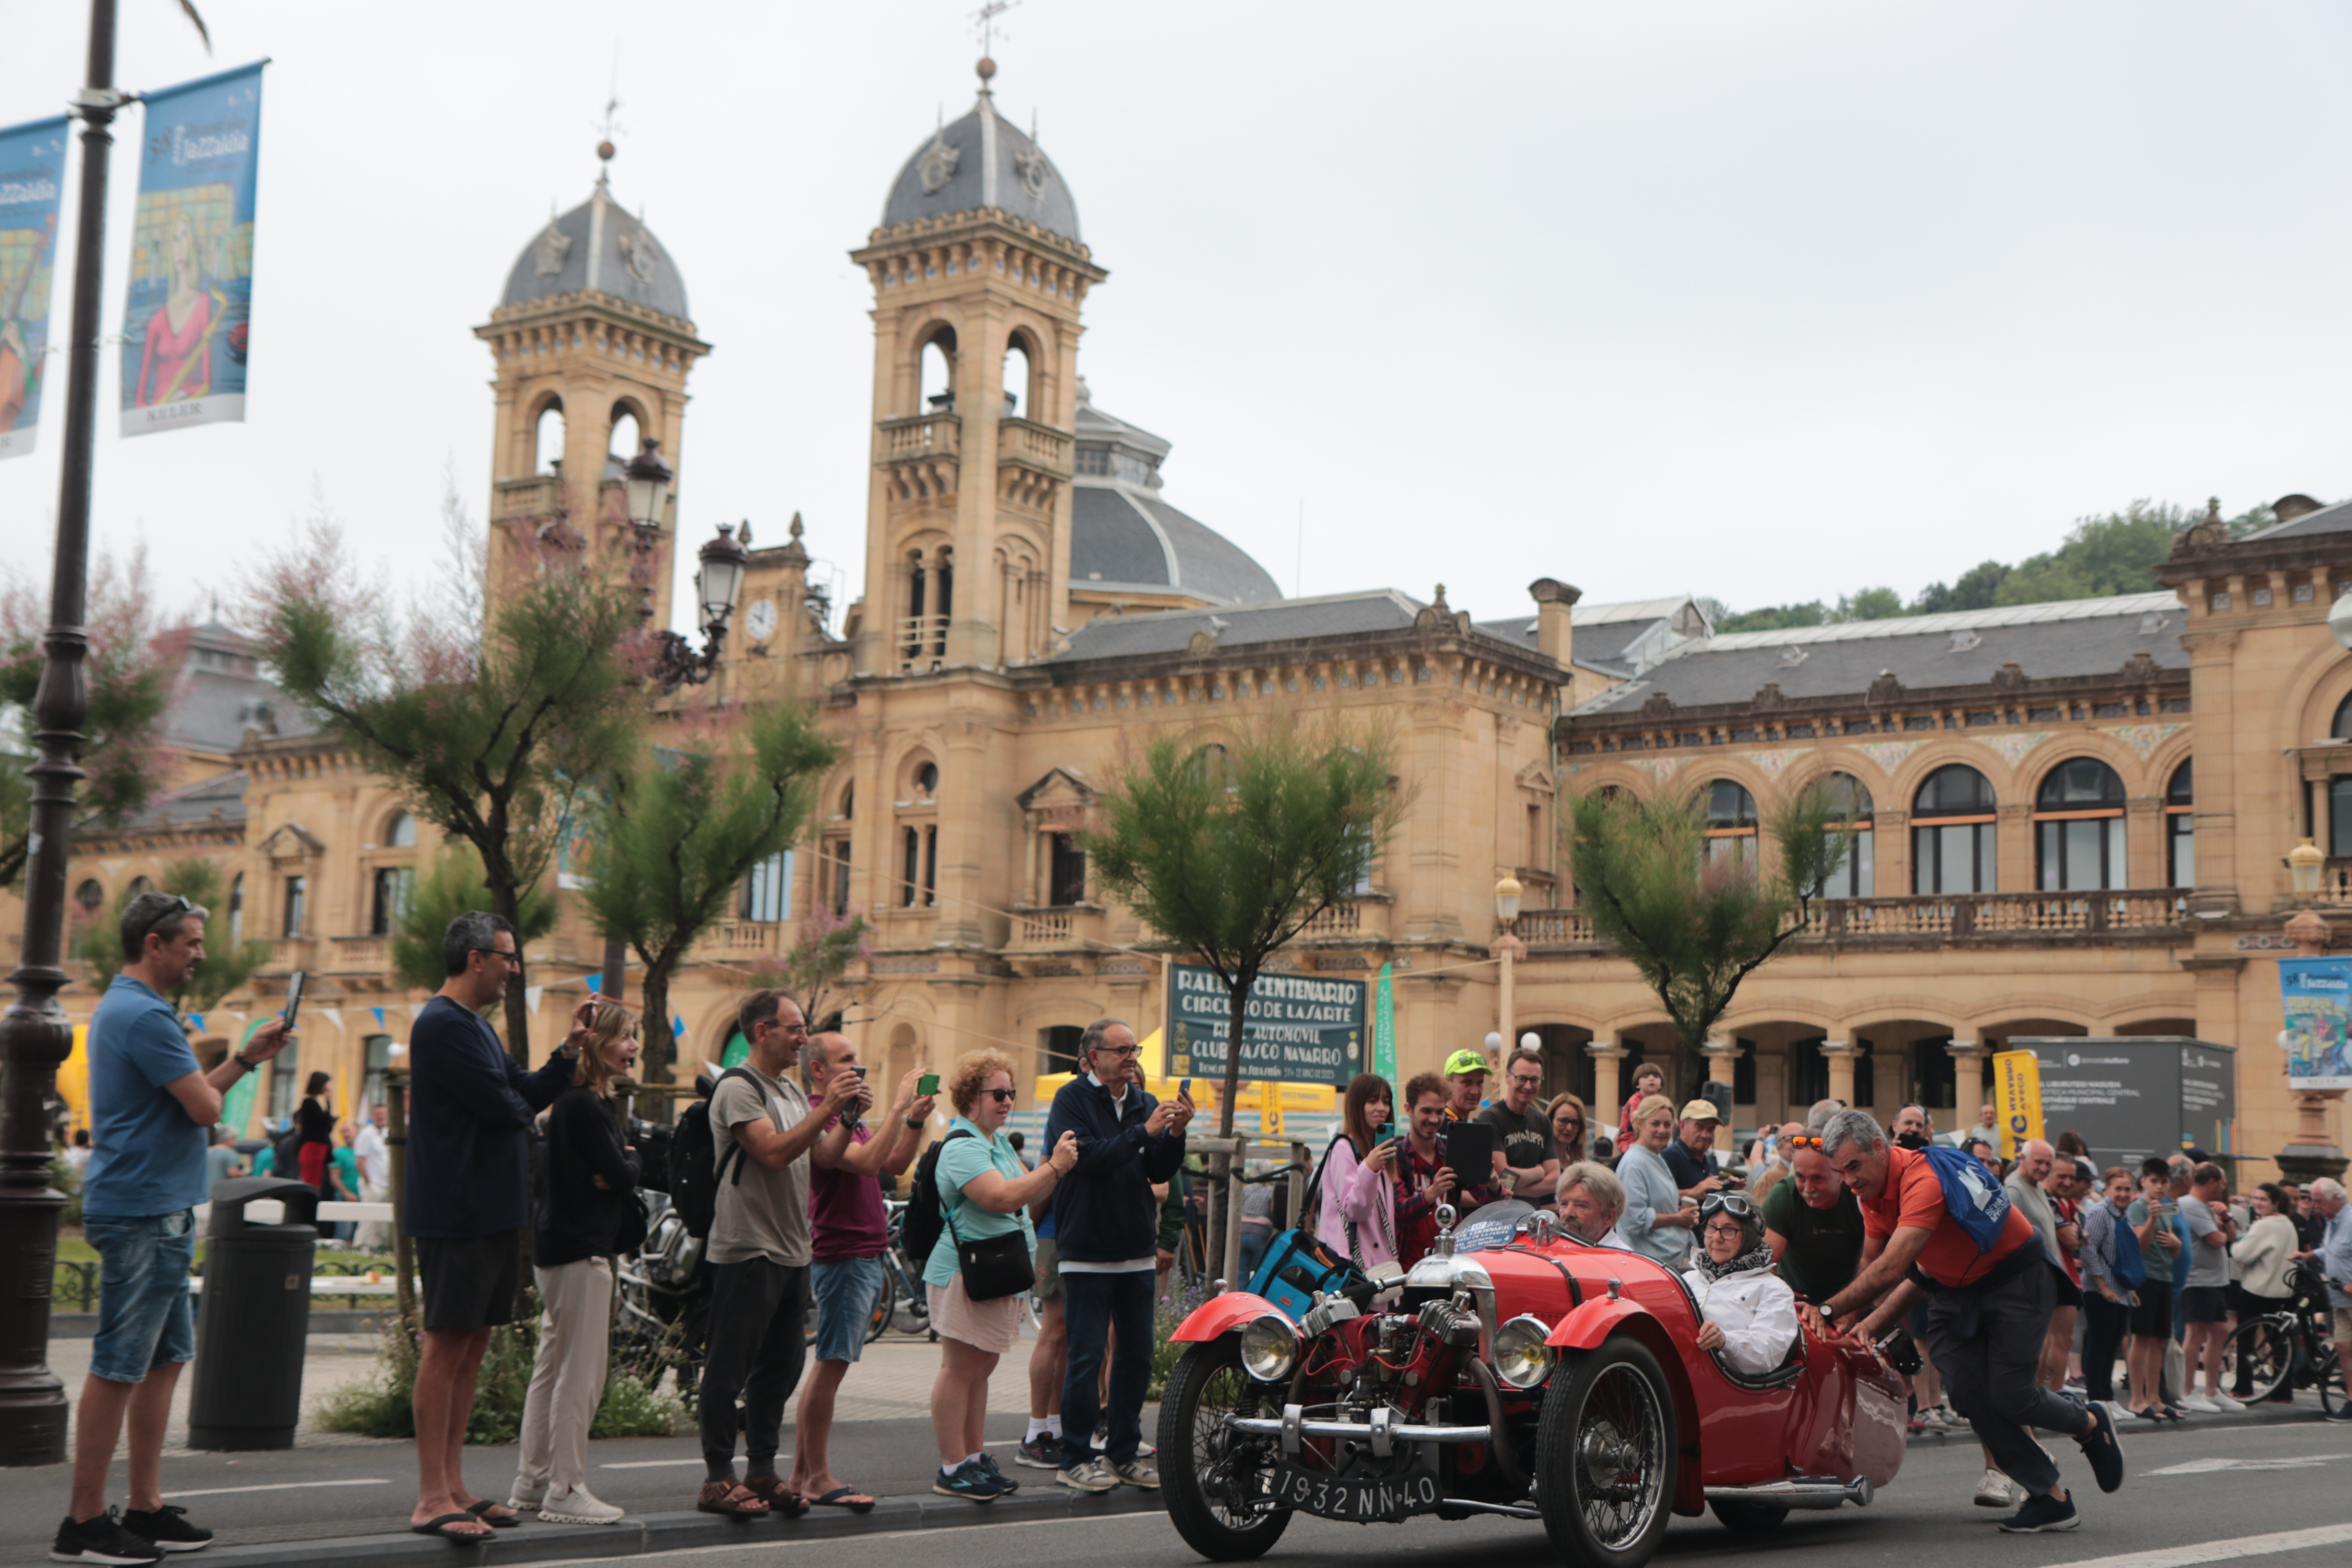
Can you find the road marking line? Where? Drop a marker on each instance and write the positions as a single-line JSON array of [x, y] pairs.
[[279, 1487], [657, 1464], [2222, 1550], [2209, 1467], [772, 1545]]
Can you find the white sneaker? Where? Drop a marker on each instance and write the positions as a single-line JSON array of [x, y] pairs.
[[578, 1506], [1997, 1491], [526, 1496], [2200, 1404], [2224, 1402]]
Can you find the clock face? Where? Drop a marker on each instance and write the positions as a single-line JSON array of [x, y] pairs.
[[760, 620]]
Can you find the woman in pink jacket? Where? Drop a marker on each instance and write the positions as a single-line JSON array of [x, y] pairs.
[[1358, 1213]]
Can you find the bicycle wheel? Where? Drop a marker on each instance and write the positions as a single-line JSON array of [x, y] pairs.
[[2259, 1359], [885, 1296], [2329, 1373]]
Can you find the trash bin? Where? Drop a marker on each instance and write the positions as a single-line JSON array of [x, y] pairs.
[[256, 1312]]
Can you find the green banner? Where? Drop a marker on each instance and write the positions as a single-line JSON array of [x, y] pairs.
[[1384, 1029], [237, 1105], [1297, 1028], [738, 1051]]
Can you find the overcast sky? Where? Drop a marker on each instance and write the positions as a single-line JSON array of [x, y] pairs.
[[1763, 301]]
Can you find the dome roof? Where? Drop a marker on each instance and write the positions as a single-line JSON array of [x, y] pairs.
[[1123, 536], [982, 161], [598, 244]]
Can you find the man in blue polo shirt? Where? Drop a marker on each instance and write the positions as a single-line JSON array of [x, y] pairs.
[[151, 1107]]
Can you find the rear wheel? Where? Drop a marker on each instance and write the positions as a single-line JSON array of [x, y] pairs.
[[1605, 1455], [1217, 1484], [1748, 1518], [2329, 1374], [2259, 1360]]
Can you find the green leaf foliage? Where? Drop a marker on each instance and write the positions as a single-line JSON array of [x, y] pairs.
[[1696, 927], [824, 945], [449, 887], [228, 966], [681, 825], [1228, 850]]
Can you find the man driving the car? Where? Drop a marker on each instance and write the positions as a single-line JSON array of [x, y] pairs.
[[1590, 1198]]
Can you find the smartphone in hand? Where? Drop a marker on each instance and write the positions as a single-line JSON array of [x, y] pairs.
[[293, 999], [928, 1084]]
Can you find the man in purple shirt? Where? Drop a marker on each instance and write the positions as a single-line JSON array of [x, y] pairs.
[[849, 1230]]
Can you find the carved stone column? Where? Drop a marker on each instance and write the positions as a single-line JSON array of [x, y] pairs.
[[1840, 1055], [1607, 1095]]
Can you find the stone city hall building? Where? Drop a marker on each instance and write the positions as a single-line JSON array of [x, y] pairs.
[[2072, 818]]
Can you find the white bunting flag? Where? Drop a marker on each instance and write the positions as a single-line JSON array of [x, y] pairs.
[[531, 994]]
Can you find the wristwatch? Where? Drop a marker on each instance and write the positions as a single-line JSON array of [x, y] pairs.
[[1826, 1310], [914, 1124]]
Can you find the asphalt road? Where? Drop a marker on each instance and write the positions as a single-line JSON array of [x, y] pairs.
[[2188, 1487]]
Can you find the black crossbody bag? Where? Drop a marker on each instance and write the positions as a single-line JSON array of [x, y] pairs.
[[995, 1266]]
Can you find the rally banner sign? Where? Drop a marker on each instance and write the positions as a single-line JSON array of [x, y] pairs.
[[185, 325], [1298, 1028], [32, 176], [2316, 995]]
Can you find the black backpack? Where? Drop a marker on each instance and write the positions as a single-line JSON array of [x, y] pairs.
[[920, 1225], [695, 1169]]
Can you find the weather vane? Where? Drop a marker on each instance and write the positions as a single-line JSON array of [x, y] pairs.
[[984, 20], [611, 126]]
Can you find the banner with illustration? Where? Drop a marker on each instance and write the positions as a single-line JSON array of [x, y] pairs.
[[185, 324], [32, 176], [2317, 993], [2017, 1098]]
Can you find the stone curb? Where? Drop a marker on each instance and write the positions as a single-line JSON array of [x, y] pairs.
[[2130, 1427], [360, 1320], [639, 1535]]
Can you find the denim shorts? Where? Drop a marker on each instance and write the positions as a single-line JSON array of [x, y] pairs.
[[144, 1316], [845, 1291]]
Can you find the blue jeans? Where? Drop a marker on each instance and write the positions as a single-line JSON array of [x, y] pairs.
[[1254, 1244], [1092, 1305], [144, 1316], [845, 1291]]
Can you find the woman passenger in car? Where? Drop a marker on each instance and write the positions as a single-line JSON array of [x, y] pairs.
[[1750, 1312]]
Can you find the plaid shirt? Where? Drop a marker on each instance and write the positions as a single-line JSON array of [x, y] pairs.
[[1416, 1211]]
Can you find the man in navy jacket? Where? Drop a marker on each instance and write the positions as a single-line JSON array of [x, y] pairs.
[[1106, 1231]]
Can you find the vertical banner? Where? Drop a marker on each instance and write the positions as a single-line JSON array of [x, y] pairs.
[[1384, 1030], [32, 176], [237, 1104], [186, 323], [2316, 995], [2017, 1098]]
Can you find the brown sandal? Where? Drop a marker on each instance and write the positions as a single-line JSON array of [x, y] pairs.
[[778, 1495], [733, 1499]]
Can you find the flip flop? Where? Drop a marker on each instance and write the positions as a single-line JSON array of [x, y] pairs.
[[845, 1497], [440, 1526], [481, 1510]]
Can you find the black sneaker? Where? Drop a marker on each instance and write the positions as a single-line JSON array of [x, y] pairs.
[[101, 1539], [2103, 1448], [1004, 1483], [969, 1481], [2041, 1512]]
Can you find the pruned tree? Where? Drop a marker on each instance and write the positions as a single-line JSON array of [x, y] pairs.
[[823, 946], [1695, 924], [486, 711], [450, 885], [1228, 851], [131, 668], [229, 962], [678, 827]]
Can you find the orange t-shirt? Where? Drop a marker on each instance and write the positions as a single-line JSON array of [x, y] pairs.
[[1912, 1196]]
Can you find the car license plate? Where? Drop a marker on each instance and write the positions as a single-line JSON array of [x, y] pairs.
[[1361, 1499]]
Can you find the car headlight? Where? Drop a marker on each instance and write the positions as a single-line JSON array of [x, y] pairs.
[[1269, 1347], [1521, 1358]]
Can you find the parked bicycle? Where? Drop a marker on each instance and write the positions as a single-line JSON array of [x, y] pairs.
[[2291, 1348]]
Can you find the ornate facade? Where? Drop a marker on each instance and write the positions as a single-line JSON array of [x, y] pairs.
[[2074, 816]]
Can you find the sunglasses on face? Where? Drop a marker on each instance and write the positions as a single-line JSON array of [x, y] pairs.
[[1001, 1095], [1117, 1050]]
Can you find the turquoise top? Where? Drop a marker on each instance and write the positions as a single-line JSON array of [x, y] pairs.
[[959, 1160]]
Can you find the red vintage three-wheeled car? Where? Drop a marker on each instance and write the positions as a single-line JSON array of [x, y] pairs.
[[1541, 1378]]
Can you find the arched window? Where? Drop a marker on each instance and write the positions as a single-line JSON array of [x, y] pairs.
[[1214, 764], [766, 893], [90, 895], [1858, 878], [141, 885], [400, 833], [2181, 827], [2078, 827], [237, 909], [927, 781], [393, 886], [939, 372], [2341, 729], [549, 454], [1730, 823], [1952, 833], [1017, 379], [627, 438]]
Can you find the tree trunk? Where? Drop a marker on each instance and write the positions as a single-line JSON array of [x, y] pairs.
[[659, 1054], [1221, 1216], [508, 902]]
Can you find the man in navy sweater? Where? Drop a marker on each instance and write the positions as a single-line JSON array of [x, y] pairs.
[[469, 1109], [1106, 1231]]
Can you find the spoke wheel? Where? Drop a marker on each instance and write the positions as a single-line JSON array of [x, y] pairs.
[[1217, 1485], [1605, 1455], [2258, 1360], [2329, 1374]]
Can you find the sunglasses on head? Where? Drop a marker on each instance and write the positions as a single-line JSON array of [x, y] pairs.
[[178, 906], [1737, 1204], [1807, 1140]]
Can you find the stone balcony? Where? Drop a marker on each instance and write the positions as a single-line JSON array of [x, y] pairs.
[[736, 942], [919, 438], [1056, 929], [361, 954], [2153, 915], [1367, 919]]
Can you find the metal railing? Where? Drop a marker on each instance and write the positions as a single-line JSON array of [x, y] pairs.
[[1947, 916]]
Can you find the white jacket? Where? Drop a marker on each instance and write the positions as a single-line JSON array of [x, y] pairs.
[[1756, 1312], [2267, 1251]]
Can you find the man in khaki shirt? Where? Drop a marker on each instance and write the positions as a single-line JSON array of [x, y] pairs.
[[761, 1129]]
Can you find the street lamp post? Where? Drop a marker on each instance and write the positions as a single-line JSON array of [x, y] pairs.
[[2312, 1153], [716, 585], [1507, 948], [35, 1037]]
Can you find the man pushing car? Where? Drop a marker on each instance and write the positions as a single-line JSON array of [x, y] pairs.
[[1935, 1224]]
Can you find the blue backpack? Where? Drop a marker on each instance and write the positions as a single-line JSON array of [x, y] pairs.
[[2129, 1268], [1972, 1196]]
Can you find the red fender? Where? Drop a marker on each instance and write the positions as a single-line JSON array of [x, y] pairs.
[[1221, 1315], [1587, 1326]]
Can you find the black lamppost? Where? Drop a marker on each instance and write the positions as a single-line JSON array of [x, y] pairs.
[[34, 1035], [716, 588]]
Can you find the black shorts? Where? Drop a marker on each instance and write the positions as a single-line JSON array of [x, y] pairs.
[[470, 1280], [2204, 1304], [2069, 1294], [2153, 1317]]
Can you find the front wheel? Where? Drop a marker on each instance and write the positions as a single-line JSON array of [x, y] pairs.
[[1605, 1452], [1219, 1486], [2260, 1359], [2329, 1374]]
